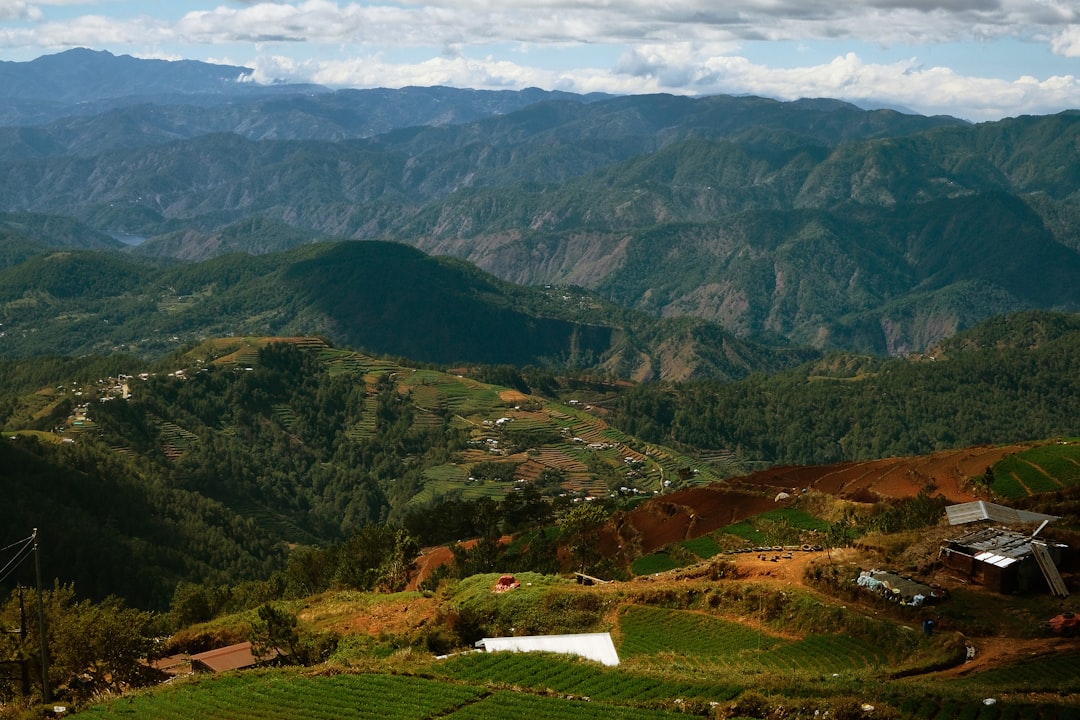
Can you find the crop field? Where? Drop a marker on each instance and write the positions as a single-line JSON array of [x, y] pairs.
[[572, 676], [1027, 478], [704, 547], [444, 479], [750, 529], [474, 687], [1038, 674], [1041, 469], [655, 638], [505, 704], [285, 696], [272, 522], [655, 563]]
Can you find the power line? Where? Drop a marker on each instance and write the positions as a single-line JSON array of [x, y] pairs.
[[24, 540], [20, 555]]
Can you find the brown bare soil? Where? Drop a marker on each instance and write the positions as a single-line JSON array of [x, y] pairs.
[[950, 471], [682, 515]]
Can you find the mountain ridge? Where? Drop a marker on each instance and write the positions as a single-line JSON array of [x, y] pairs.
[[813, 220]]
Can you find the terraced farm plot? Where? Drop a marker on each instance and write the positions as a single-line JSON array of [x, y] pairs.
[[289, 696], [656, 639], [1060, 461], [1048, 673], [467, 397], [427, 397], [445, 479], [365, 427], [285, 416], [1016, 477], [505, 704], [175, 440], [655, 563], [573, 676], [704, 547], [273, 523], [749, 529]]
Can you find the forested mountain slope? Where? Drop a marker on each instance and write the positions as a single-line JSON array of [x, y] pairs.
[[384, 297], [1005, 380], [811, 221]]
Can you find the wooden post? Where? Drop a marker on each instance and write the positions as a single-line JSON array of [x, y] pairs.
[[46, 694]]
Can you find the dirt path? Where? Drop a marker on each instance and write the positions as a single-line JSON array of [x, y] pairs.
[[997, 652]]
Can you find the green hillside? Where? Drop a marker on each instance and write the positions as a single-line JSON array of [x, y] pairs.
[[263, 442], [686, 647], [386, 298], [200, 469]]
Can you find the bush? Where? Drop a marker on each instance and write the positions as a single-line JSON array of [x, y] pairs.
[[751, 704]]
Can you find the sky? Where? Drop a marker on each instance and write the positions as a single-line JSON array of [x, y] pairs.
[[979, 60]]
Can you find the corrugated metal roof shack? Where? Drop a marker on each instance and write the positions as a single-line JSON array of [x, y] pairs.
[[1000, 559]]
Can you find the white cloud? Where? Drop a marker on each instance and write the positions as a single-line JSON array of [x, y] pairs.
[[558, 21], [17, 10], [683, 46], [1067, 42]]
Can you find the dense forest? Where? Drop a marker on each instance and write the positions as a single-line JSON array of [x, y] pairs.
[[1009, 379]]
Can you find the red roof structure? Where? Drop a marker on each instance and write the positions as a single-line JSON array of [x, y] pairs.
[[232, 657], [505, 583]]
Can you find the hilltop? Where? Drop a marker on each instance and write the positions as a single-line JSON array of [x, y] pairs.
[[385, 298]]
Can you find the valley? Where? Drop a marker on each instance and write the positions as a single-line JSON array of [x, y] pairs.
[[390, 372]]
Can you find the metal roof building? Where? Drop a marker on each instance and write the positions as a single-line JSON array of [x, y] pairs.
[[969, 512], [1005, 560]]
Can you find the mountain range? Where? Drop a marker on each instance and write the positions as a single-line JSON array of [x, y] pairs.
[[812, 223]]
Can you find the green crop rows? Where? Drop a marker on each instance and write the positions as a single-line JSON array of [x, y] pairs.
[[655, 563], [549, 673], [703, 547], [656, 638], [1031, 479], [285, 696], [1045, 674], [1041, 469], [503, 705]]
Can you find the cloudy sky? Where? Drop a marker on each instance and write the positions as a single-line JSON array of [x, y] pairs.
[[976, 59]]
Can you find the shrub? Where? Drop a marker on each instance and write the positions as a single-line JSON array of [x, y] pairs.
[[752, 704]]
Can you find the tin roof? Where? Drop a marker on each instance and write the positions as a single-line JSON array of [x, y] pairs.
[[968, 512], [997, 546], [594, 646]]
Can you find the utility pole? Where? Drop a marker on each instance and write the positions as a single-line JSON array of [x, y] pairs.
[[46, 695], [22, 636]]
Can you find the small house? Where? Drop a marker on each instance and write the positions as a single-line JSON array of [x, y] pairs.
[[232, 657], [1005, 561]]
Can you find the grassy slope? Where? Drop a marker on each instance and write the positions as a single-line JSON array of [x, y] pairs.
[[686, 646]]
